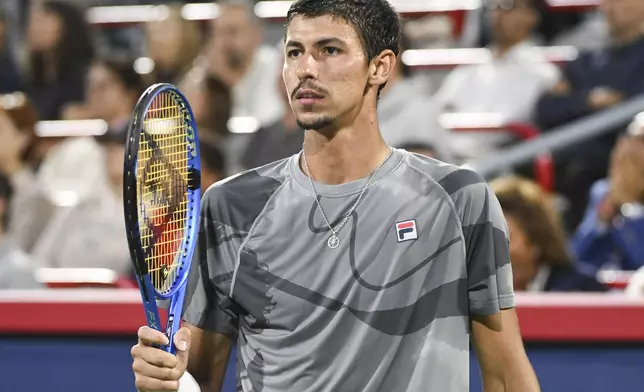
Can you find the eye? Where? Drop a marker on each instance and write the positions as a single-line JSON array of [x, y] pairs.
[[331, 51], [293, 53]]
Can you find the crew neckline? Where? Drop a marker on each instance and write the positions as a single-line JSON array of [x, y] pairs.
[[347, 188]]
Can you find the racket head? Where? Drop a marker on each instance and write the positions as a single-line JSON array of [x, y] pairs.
[[162, 190]]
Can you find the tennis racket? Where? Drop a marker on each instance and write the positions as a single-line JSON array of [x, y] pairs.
[[161, 198]]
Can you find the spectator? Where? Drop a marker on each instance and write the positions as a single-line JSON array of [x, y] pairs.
[[173, 44], [600, 79], [211, 103], [82, 178], [407, 114], [212, 164], [595, 81], [538, 244], [237, 57], [276, 141], [60, 50], [17, 150], [10, 78], [113, 88], [612, 230], [509, 85], [17, 269]]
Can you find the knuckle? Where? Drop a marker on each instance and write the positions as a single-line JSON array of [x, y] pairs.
[[134, 352], [143, 331], [137, 366]]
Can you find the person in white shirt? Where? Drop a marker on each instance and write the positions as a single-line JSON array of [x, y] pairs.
[[237, 56], [509, 85], [407, 114], [17, 269]]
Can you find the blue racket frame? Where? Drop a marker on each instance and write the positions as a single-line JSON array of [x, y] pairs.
[[177, 291]]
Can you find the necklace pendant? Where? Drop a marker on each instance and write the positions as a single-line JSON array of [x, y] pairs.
[[333, 241]]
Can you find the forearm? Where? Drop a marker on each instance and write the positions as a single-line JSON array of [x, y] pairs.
[[518, 378]]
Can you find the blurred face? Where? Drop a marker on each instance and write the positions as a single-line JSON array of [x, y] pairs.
[[522, 253], [164, 40], [234, 36], [105, 92], [12, 141], [511, 21], [623, 16], [627, 170], [325, 71], [44, 30]]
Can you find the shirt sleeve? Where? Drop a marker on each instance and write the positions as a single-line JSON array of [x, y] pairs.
[[207, 305], [489, 273]]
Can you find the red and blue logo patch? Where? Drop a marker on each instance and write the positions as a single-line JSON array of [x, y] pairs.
[[406, 231]]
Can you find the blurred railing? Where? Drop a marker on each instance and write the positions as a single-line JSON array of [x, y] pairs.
[[572, 5], [272, 11], [429, 59], [560, 138], [269, 10], [82, 278], [489, 122]]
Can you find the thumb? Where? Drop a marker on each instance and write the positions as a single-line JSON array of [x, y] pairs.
[[182, 343]]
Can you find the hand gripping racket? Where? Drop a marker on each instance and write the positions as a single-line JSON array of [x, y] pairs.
[[161, 196]]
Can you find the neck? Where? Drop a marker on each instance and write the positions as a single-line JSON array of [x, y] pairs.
[[501, 49], [346, 155], [627, 36]]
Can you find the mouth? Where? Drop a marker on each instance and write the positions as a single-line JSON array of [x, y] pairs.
[[308, 97]]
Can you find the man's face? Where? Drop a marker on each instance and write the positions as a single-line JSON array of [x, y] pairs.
[[623, 15], [511, 21], [105, 92], [325, 71], [234, 36]]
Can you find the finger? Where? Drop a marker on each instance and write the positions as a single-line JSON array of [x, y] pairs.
[[143, 368], [182, 341], [148, 336], [154, 356], [144, 383]]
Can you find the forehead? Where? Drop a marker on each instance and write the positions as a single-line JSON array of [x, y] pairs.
[[307, 30], [232, 15]]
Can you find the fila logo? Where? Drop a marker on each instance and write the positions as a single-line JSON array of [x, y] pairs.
[[406, 231]]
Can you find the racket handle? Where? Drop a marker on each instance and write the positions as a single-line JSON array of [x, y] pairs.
[[174, 318]]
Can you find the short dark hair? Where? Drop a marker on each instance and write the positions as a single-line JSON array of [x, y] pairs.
[[375, 21], [123, 69], [6, 194]]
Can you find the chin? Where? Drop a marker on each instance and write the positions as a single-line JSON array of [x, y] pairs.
[[315, 123]]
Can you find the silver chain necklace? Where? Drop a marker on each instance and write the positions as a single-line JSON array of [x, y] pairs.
[[334, 241]]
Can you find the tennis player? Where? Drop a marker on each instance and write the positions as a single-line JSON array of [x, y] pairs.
[[351, 266]]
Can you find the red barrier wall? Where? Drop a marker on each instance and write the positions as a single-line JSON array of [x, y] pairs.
[[543, 317]]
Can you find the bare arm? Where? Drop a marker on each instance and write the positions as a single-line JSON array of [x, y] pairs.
[[499, 349], [209, 354]]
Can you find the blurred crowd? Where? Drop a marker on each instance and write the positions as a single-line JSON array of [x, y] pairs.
[[68, 86]]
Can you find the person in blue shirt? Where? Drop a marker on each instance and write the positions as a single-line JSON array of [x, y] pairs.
[[597, 80], [612, 232], [539, 251]]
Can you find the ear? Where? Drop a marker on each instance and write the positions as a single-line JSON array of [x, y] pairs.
[[381, 68]]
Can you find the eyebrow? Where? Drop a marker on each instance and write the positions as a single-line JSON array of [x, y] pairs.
[[320, 42]]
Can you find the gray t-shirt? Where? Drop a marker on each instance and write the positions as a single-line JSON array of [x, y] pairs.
[[388, 310]]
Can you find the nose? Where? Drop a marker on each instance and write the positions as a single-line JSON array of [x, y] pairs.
[[307, 67]]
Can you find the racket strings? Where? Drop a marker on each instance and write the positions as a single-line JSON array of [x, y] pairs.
[[163, 199]]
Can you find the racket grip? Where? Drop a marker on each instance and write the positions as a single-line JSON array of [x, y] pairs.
[[174, 318]]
